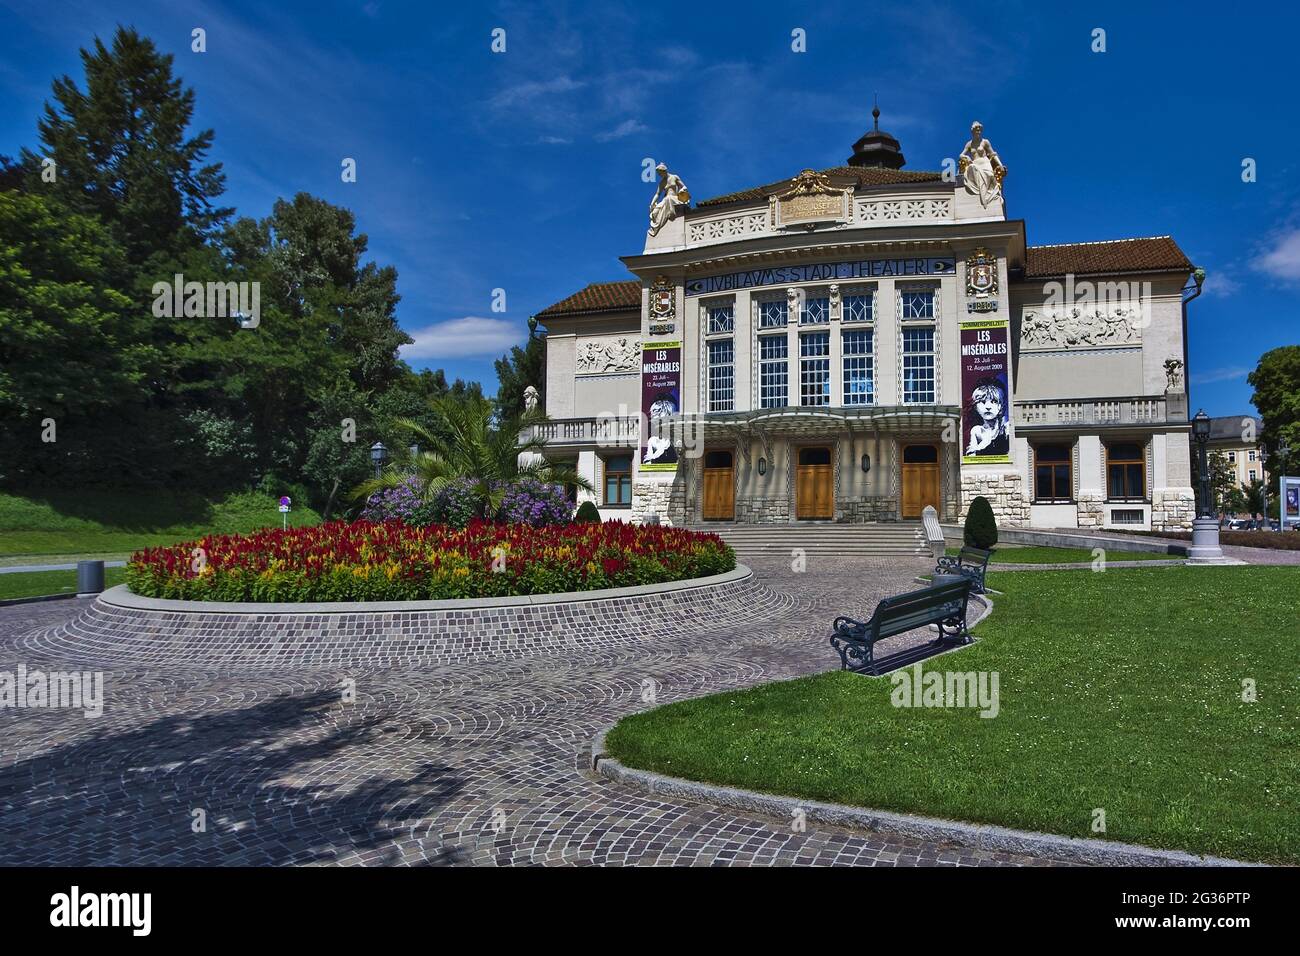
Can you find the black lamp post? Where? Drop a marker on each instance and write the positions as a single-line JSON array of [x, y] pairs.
[[1263, 470], [1205, 529], [378, 455], [1201, 435]]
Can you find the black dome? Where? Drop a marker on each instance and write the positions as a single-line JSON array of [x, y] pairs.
[[877, 148]]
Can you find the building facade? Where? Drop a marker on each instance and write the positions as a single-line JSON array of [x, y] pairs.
[[854, 344], [1236, 437]]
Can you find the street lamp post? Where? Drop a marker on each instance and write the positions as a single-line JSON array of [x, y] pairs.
[[1263, 469], [1205, 529], [378, 455]]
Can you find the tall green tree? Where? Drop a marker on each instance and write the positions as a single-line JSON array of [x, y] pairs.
[[1276, 381], [517, 370], [123, 151]]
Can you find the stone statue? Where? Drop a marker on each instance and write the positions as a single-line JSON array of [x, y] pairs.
[[981, 167], [531, 398], [1174, 374], [670, 196]]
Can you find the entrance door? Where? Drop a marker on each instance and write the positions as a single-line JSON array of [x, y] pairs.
[[719, 487], [814, 484], [920, 479]]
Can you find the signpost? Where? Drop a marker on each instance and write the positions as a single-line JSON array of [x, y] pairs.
[[285, 502]]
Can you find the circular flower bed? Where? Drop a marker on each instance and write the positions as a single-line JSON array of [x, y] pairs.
[[392, 561]]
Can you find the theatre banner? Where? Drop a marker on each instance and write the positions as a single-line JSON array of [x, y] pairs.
[[661, 400], [986, 392], [1290, 502]]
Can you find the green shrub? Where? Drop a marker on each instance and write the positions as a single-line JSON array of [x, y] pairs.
[[981, 530], [587, 511]]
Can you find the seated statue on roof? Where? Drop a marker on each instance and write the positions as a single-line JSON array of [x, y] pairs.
[[671, 195], [981, 167]]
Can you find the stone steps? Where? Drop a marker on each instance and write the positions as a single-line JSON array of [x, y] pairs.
[[821, 539]]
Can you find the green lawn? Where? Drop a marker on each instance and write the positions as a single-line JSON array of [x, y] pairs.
[[113, 524], [37, 583], [1120, 691], [1039, 554]]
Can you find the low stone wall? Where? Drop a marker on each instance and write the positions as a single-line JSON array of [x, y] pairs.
[[1005, 493], [121, 625]]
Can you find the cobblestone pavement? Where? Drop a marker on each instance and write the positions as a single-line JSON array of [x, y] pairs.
[[466, 763]]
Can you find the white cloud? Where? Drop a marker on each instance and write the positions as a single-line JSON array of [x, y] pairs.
[[625, 128], [1219, 284], [530, 91], [462, 338], [554, 140], [1283, 260], [1229, 374]]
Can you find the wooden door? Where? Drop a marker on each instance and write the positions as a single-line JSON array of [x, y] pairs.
[[719, 487], [814, 484], [920, 479]]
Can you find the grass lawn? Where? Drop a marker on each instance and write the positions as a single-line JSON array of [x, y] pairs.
[[112, 524], [1036, 554], [37, 583], [1120, 691]]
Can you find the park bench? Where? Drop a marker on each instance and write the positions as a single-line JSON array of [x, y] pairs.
[[943, 605], [969, 563]]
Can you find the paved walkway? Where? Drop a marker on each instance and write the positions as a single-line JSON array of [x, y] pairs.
[[480, 763]]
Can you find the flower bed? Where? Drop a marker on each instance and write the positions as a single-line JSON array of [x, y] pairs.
[[391, 561]]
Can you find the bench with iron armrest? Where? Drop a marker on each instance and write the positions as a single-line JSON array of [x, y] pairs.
[[943, 605], [969, 563]]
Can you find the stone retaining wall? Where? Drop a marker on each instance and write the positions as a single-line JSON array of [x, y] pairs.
[[419, 632]]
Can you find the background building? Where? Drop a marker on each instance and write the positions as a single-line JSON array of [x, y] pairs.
[[857, 343]]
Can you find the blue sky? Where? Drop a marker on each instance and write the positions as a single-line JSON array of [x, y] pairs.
[[522, 170]]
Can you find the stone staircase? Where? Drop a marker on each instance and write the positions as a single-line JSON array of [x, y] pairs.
[[821, 538]]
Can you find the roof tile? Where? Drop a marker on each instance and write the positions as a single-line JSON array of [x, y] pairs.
[[861, 175], [598, 297], [1154, 254]]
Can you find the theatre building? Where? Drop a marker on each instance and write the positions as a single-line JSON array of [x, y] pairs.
[[854, 344]]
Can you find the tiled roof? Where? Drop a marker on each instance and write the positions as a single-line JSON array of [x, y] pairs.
[[1155, 254], [598, 297], [861, 175]]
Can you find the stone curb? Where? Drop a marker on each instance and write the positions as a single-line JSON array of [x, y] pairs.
[[120, 597], [978, 836], [10, 602]]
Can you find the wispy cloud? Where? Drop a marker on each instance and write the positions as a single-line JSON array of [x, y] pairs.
[[462, 338], [626, 128], [1282, 260], [1232, 373], [1219, 283]]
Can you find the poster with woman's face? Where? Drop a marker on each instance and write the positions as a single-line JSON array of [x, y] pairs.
[[986, 395], [1293, 502]]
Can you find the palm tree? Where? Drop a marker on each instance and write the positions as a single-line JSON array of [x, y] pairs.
[[472, 449]]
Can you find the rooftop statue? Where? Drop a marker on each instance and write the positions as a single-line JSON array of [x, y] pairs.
[[670, 195], [981, 167]]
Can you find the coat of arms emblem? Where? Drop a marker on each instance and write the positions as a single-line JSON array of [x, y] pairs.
[[662, 299], [981, 274]]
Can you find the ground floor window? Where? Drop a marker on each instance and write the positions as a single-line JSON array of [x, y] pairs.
[[1052, 479], [1126, 472], [618, 480]]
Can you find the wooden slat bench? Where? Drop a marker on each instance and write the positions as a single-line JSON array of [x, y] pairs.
[[943, 605]]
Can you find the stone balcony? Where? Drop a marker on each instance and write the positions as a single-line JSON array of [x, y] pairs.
[[604, 431], [1138, 410]]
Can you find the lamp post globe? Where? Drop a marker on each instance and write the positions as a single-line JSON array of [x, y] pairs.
[[378, 455]]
